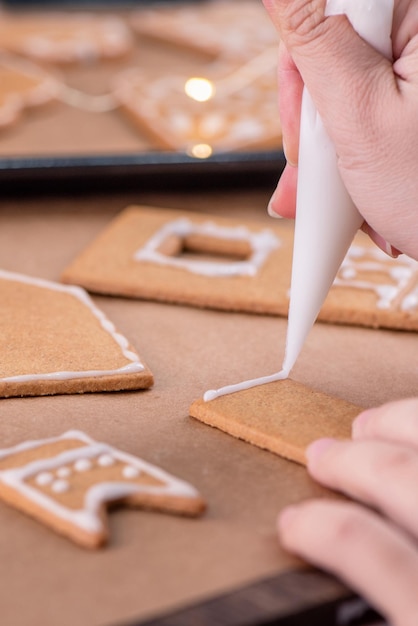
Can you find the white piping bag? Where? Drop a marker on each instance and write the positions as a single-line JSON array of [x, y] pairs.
[[326, 218]]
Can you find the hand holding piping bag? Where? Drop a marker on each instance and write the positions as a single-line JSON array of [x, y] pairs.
[[326, 215], [368, 105]]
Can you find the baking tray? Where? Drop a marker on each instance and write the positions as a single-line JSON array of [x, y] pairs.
[[154, 170], [129, 165]]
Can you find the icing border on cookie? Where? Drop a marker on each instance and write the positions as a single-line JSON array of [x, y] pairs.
[[135, 364], [401, 293], [261, 243], [88, 518]]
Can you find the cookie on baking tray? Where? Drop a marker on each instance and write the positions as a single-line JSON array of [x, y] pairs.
[[238, 29], [225, 263], [63, 37], [22, 85], [54, 340], [66, 482], [216, 109], [283, 417]]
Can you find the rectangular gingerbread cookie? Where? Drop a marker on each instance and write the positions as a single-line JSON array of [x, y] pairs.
[[55, 340], [283, 417], [238, 265]]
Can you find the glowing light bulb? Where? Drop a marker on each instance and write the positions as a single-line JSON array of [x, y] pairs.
[[200, 89], [201, 151]]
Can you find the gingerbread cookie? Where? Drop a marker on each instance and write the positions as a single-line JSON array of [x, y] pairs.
[[240, 29], [218, 109], [22, 85], [54, 340], [186, 258], [283, 417], [223, 263], [66, 482], [64, 37]]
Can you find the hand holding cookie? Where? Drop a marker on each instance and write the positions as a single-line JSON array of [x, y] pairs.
[[371, 544], [370, 114]]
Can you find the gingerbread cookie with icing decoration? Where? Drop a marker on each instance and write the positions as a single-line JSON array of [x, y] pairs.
[[185, 258], [240, 29], [54, 340], [22, 86], [216, 109], [64, 37], [283, 417], [67, 482], [225, 263]]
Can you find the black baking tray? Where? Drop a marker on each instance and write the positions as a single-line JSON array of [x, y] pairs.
[[20, 174], [145, 170]]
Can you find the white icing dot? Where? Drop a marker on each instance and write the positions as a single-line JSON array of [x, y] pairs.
[[44, 478], [130, 472], [63, 472], [105, 460], [82, 465], [60, 486]]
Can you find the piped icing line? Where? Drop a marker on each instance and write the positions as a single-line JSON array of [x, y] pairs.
[[88, 518], [135, 364], [212, 394], [402, 274], [261, 243]]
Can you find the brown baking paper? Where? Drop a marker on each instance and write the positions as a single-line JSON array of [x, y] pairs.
[[156, 563]]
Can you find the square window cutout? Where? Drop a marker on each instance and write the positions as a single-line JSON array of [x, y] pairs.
[[189, 258]]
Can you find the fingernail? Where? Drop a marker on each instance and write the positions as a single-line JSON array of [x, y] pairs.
[[317, 448], [270, 209], [286, 517], [272, 212]]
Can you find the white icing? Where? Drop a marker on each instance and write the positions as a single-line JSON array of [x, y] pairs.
[[44, 478], [402, 276], [261, 243], [83, 465], [60, 486], [212, 394], [64, 472], [106, 460], [130, 472], [87, 518], [134, 366]]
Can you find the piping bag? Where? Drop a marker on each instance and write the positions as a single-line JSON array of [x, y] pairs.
[[326, 218]]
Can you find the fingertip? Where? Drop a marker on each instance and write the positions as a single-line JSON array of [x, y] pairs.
[[359, 426], [286, 518], [316, 449]]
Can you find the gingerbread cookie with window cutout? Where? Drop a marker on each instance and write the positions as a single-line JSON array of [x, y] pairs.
[[239, 30], [22, 86], [64, 37], [55, 340], [229, 264], [67, 482], [216, 109]]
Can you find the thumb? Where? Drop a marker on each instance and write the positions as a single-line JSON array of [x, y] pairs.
[[340, 70]]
